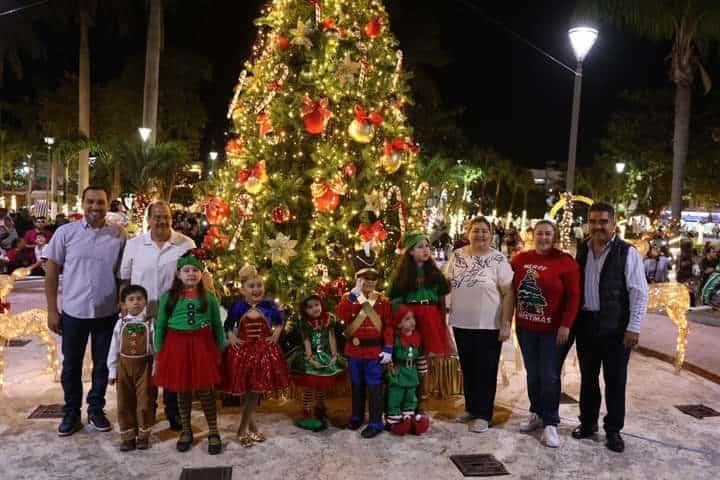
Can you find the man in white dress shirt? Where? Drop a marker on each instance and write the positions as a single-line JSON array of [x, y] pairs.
[[150, 260]]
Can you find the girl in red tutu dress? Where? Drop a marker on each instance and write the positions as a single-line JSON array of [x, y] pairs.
[[188, 340], [254, 363]]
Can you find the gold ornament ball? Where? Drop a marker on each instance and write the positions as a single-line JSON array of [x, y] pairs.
[[361, 132], [253, 185], [391, 163]]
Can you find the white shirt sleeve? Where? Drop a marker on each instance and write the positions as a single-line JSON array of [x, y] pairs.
[[114, 352], [504, 274], [637, 290]]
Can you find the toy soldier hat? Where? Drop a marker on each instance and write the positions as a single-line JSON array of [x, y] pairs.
[[365, 264]]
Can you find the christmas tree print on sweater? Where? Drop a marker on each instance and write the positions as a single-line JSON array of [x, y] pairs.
[[529, 294]]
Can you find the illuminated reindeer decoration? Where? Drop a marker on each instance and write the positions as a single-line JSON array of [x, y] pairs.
[[29, 322]]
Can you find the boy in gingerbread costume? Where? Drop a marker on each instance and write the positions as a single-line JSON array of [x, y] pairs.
[[403, 376], [367, 316], [130, 362]]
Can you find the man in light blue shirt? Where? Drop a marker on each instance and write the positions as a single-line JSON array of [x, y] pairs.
[[614, 303], [89, 251]]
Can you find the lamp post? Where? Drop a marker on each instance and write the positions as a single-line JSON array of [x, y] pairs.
[[51, 186], [27, 169], [213, 155], [582, 40], [620, 167]]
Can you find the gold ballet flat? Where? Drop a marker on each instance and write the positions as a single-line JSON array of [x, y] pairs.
[[245, 440], [257, 437]]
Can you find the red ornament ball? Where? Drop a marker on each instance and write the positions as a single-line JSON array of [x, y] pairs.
[[282, 42], [349, 170], [280, 214], [373, 27]]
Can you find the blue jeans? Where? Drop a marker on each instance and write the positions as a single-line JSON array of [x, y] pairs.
[[543, 361], [74, 340]]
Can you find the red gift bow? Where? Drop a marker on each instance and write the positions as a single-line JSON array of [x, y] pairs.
[[234, 147], [258, 171], [400, 145], [309, 106], [371, 232], [362, 116]]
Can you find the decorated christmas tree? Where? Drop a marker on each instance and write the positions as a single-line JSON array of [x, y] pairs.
[[530, 295], [320, 159]]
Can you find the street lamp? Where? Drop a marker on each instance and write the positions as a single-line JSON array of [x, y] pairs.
[[620, 167], [582, 40], [213, 155], [145, 133], [50, 141]]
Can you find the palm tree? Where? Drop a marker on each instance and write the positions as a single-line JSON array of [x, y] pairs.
[[522, 180], [691, 25], [500, 171], [152, 67], [84, 13]]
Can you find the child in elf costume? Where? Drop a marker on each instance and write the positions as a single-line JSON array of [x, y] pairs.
[[318, 367], [189, 338], [130, 361], [403, 377], [367, 316], [254, 363], [418, 283]]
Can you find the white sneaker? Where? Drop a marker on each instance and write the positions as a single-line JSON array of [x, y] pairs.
[[478, 425], [531, 423], [550, 437], [465, 418]]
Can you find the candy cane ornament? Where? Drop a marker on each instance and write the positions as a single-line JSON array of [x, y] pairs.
[[245, 203], [322, 268], [398, 68], [395, 190], [236, 95], [282, 71]]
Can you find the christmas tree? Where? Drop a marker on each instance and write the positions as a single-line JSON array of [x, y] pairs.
[[530, 295], [320, 159]]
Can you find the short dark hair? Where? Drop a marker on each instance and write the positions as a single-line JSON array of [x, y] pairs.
[[97, 188], [130, 289], [155, 204], [602, 207]]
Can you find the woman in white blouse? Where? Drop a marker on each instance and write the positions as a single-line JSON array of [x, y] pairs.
[[481, 307]]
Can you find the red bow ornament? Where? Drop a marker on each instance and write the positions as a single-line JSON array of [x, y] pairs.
[[252, 178], [372, 233], [216, 210], [315, 115]]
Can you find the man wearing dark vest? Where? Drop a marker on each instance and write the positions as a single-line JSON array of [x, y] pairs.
[[614, 303]]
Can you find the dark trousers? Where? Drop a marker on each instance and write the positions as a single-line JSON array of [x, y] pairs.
[[543, 360], [596, 348], [74, 340], [479, 353]]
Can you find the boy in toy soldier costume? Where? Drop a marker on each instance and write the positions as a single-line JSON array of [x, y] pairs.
[[403, 376], [130, 362], [367, 316]]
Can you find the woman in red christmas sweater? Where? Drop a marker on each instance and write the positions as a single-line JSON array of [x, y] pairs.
[[547, 282]]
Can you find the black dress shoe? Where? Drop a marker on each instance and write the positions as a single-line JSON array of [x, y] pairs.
[[353, 424], [584, 432], [371, 432], [614, 442]]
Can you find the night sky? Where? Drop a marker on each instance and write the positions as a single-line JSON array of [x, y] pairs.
[[515, 100]]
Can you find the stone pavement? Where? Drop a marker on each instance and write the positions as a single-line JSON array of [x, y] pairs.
[[661, 442]]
